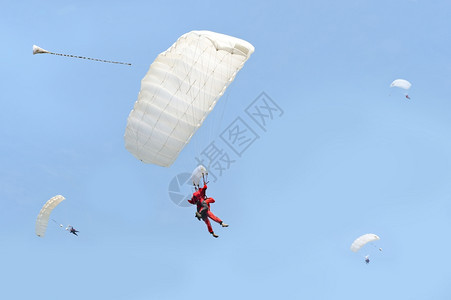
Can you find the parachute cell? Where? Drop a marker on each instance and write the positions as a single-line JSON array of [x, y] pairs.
[[180, 89], [363, 240], [44, 214]]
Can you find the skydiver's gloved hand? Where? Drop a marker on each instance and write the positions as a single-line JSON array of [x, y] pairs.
[[198, 215]]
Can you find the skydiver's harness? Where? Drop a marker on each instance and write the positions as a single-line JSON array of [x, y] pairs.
[[203, 212]]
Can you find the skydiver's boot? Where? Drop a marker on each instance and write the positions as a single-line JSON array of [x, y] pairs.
[[224, 224], [214, 234]]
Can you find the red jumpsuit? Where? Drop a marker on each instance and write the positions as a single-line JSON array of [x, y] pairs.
[[198, 198]]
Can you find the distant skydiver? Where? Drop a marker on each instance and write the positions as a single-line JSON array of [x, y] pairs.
[[402, 84], [203, 212], [367, 259], [72, 230]]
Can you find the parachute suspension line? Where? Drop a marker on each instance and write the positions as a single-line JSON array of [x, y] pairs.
[[39, 50], [197, 83], [94, 59], [215, 59], [380, 249], [57, 223], [206, 65], [225, 100], [216, 128]]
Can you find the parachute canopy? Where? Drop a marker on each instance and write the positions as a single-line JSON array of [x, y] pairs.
[[363, 240], [401, 83], [180, 89], [44, 214], [198, 174]]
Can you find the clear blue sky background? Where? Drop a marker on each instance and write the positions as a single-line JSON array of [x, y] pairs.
[[348, 156]]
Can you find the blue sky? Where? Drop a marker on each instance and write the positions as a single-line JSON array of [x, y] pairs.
[[348, 156]]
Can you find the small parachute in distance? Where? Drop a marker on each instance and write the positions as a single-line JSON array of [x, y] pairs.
[[181, 88], [403, 84], [199, 173], [39, 50], [44, 215], [363, 240]]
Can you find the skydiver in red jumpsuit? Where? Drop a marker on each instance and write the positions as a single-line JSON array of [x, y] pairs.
[[203, 208], [72, 230]]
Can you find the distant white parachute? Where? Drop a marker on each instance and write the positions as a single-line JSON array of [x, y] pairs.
[[44, 214], [363, 240], [199, 173], [39, 50], [403, 84], [180, 89]]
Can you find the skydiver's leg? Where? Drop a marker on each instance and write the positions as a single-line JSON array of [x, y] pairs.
[[210, 229], [213, 217], [216, 219]]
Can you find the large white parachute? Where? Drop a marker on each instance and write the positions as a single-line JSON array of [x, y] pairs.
[[180, 89], [401, 83], [363, 240], [44, 214]]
